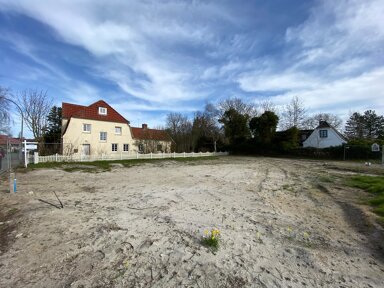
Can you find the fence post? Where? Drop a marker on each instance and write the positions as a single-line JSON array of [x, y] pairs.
[[174, 154], [382, 155], [137, 154], [56, 157], [36, 157], [151, 155], [25, 154], [184, 154]]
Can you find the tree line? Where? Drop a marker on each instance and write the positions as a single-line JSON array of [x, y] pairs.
[[245, 127], [232, 124]]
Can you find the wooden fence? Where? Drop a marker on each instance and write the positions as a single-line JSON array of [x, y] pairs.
[[120, 156]]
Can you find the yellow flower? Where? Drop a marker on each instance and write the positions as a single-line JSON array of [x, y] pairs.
[[306, 235], [213, 237], [289, 229], [206, 232]]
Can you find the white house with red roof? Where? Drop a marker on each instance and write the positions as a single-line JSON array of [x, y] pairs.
[[98, 129]]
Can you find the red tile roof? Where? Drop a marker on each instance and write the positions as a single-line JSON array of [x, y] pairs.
[[150, 134], [14, 141], [92, 112]]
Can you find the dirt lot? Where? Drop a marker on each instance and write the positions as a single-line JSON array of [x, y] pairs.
[[283, 223]]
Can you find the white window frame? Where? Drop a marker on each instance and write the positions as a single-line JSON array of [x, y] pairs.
[[118, 128], [101, 138], [102, 111], [117, 147], [323, 133], [85, 125], [125, 146]]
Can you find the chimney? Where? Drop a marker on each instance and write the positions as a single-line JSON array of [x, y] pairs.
[[144, 126]]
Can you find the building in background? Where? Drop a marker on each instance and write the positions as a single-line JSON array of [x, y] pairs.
[[98, 129], [324, 136]]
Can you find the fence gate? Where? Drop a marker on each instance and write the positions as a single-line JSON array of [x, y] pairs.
[[10, 155]]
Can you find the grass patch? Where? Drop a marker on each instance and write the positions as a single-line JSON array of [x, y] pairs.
[[373, 185], [102, 166], [211, 239]]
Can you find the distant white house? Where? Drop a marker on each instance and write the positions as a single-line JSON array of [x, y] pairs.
[[324, 136]]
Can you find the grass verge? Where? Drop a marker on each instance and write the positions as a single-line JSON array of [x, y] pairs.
[[101, 166], [373, 185]]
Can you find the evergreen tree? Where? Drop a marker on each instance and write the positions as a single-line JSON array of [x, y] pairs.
[[264, 127], [365, 126], [53, 130], [235, 126]]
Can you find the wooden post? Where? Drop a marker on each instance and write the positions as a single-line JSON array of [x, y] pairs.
[[382, 155], [36, 158]]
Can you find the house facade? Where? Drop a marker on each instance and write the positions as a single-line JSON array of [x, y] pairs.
[[324, 136], [97, 129]]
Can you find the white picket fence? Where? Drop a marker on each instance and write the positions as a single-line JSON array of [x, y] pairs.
[[120, 156]]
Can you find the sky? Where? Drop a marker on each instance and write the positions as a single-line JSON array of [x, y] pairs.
[[149, 58]]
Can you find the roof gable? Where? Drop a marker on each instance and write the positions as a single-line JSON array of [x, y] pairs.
[[92, 112]]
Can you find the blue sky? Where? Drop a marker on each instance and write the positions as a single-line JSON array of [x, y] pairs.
[[149, 58]]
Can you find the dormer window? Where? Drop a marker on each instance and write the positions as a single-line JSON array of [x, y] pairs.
[[102, 111]]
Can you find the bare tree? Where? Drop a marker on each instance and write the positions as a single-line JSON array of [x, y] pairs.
[[238, 105], [36, 106], [332, 119], [5, 118], [268, 105], [180, 129], [293, 114]]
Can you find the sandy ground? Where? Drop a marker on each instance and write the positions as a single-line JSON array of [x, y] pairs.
[[283, 223]]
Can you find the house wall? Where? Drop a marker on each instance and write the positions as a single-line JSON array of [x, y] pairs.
[[75, 137], [151, 145], [314, 139]]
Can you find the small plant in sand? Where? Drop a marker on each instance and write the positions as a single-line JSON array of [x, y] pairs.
[[211, 239], [291, 234], [307, 239]]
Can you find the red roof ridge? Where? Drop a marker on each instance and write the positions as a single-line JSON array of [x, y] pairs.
[[91, 112]]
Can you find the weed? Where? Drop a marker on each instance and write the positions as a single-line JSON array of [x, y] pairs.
[[211, 239], [12, 211]]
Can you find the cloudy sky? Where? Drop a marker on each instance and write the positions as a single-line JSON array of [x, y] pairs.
[[148, 58]]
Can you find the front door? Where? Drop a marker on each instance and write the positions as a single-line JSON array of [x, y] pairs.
[[86, 149]]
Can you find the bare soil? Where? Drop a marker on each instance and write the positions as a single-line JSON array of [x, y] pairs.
[[283, 223]]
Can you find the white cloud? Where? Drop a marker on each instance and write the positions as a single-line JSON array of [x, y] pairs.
[[138, 36], [333, 60], [277, 82], [341, 96]]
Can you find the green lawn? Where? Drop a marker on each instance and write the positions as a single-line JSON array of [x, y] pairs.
[[373, 185]]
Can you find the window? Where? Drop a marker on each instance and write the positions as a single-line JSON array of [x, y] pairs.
[[103, 136], [141, 147], [118, 130], [87, 128], [159, 147], [125, 147], [102, 111], [323, 133], [114, 147]]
